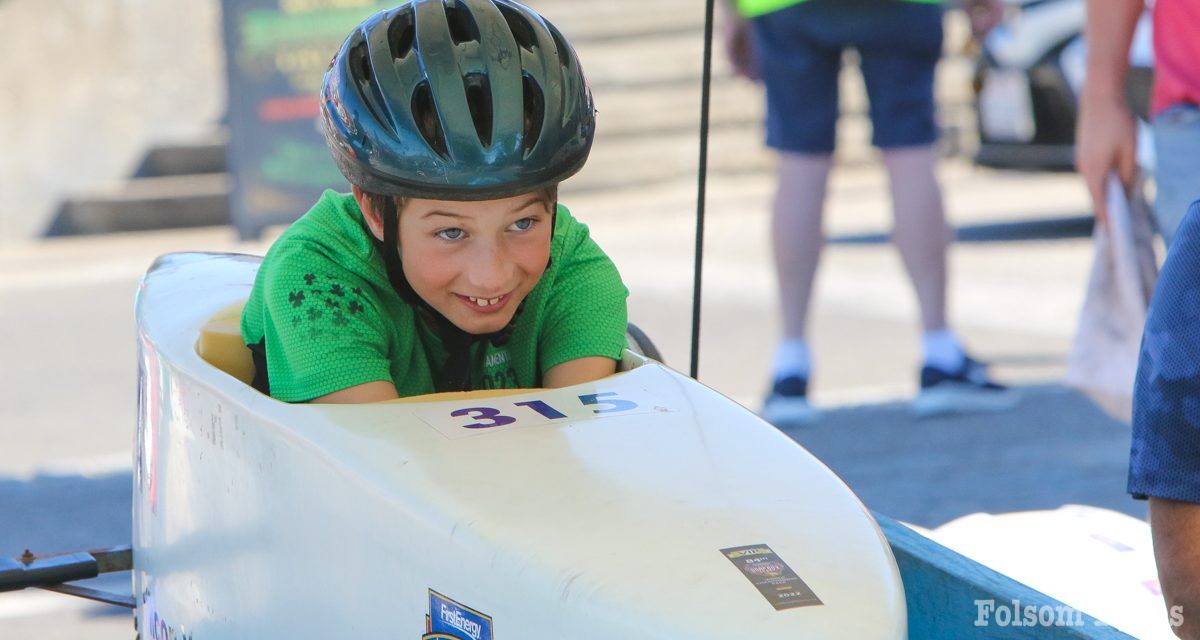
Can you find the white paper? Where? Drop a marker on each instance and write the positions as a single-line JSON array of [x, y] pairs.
[[1103, 358]]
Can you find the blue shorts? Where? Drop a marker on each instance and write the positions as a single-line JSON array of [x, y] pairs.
[[799, 49]]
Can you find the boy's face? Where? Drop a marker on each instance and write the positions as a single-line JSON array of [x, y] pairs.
[[474, 262]]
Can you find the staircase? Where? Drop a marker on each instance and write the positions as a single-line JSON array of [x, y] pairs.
[[177, 185]]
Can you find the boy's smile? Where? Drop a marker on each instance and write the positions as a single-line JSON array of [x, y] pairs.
[[485, 305], [475, 261]]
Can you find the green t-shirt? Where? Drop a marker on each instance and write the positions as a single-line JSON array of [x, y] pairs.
[[332, 320]]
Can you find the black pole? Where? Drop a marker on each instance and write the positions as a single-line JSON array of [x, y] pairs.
[[705, 84]]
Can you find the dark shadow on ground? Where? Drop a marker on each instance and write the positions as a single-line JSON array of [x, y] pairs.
[[1047, 229], [1054, 448]]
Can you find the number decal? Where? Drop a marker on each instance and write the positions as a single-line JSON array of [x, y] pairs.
[[543, 409], [550, 407], [484, 413], [617, 404]]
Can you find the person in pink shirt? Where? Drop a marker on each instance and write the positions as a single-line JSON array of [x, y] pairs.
[[1106, 131], [1105, 141]]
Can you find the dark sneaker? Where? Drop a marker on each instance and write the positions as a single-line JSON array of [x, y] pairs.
[[787, 406], [967, 390]]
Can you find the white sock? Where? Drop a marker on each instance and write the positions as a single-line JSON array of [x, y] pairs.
[[942, 350], [792, 358]]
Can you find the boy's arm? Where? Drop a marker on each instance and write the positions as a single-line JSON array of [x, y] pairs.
[[584, 321], [578, 371], [324, 330], [377, 391]]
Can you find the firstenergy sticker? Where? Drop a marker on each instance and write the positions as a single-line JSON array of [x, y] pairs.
[[770, 574], [451, 620]]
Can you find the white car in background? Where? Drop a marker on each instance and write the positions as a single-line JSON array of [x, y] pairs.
[[1027, 83]]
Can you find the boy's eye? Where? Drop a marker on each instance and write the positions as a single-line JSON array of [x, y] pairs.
[[524, 224], [450, 234]]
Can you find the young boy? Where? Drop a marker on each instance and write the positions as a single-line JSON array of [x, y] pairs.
[[450, 265]]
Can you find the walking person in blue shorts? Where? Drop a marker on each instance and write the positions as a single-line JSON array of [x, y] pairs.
[[795, 47]]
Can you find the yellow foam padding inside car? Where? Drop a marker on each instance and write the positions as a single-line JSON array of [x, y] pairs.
[[221, 345]]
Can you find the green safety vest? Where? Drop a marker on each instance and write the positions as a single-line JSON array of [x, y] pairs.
[[754, 8]]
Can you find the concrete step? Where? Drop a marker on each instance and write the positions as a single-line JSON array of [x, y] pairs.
[[143, 204], [584, 22], [650, 86], [623, 162], [204, 155], [665, 109]]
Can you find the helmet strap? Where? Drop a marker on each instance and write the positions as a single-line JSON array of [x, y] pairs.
[[391, 254]]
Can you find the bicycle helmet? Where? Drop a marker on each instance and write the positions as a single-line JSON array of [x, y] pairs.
[[456, 100]]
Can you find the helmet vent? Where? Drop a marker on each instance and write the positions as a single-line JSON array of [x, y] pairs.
[[479, 100], [519, 25], [462, 23], [564, 49], [535, 112], [428, 123], [368, 87], [402, 33]]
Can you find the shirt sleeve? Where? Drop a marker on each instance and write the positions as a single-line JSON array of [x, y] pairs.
[[323, 327], [1165, 452], [585, 311]]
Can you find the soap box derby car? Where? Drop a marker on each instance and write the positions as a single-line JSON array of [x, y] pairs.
[[642, 505]]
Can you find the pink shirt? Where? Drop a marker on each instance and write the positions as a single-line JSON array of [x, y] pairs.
[[1176, 53]]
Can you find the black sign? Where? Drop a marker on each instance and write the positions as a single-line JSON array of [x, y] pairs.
[[770, 574], [277, 52]]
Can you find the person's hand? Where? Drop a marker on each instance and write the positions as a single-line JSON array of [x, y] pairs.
[[1105, 140], [739, 47], [984, 15]]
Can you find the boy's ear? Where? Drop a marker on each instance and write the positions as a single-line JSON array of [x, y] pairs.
[[374, 221]]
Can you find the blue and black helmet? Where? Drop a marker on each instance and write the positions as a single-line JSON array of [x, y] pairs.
[[456, 100]]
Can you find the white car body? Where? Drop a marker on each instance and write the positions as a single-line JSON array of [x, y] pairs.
[[605, 510]]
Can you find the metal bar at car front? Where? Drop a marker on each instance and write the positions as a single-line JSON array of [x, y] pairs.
[[51, 571]]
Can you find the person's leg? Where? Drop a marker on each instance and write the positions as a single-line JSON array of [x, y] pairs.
[[898, 68], [1177, 167], [921, 235], [900, 50], [799, 69], [797, 233], [920, 232]]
